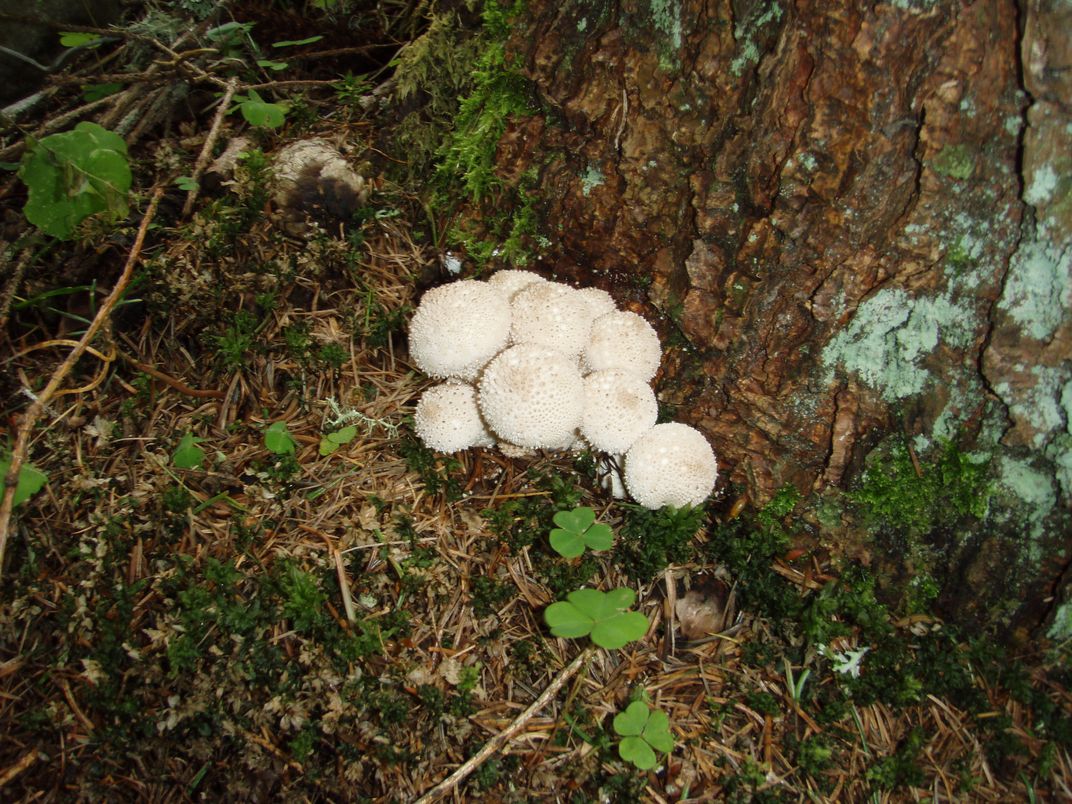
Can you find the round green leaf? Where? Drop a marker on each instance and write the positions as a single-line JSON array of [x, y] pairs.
[[567, 543], [343, 436], [188, 455], [278, 439], [566, 620], [620, 630], [631, 722], [621, 598], [599, 537], [635, 750], [578, 520], [657, 731]]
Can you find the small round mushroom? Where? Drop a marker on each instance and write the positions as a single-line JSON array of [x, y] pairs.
[[619, 407], [532, 396], [510, 280], [447, 418], [623, 340], [671, 464], [599, 301], [551, 314], [458, 328]]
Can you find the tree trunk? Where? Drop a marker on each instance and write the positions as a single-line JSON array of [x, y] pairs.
[[859, 217]]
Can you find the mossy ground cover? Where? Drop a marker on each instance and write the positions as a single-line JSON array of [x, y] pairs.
[[354, 625]]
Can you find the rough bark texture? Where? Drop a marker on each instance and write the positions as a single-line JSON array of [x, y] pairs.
[[858, 215]]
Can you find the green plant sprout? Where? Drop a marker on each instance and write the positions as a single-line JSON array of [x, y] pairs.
[[30, 480], [188, 455], [600, 615], [278, 440], [329, 442], [75, 174], [795, 685], [643, 731], [258, 112], [577, 529]]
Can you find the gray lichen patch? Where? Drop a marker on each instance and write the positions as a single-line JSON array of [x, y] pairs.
[[1038, 290], [891, 335]]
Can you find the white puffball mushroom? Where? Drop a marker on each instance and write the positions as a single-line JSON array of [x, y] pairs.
[[447, 418], [671, 464], [458, 328], [623, 340], [532, 396], [618, 408], [553, 315], [510, 280], [599, 301]]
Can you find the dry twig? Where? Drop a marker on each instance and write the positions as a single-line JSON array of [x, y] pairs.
[[33, 413], [496, 743]]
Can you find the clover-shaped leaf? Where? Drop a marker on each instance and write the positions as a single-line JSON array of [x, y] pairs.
[[277, 439], [188, 455], [259, 112], [577, 529], [600, 615], [643, 731], [332, 441]]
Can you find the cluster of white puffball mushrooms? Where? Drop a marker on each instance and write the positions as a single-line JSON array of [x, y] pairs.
[[533, 364]]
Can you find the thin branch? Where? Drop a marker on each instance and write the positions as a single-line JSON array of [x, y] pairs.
[[210, 143], [33, 413], [496, 743]]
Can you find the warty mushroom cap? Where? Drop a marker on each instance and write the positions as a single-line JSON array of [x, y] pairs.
[[671, 464], [619, 407], [551, 314], [532, 396], [623, 340], [458, 328], [599, 301], [447, 418], [510, 280]]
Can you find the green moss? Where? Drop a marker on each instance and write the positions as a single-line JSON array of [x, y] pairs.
[[955, 161], [893, 494], [649, 541]]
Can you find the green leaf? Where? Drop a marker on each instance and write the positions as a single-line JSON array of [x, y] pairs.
[[332, 441], [589, 611], [259, 112], [578, 520], [30, 481], [644, 731], [567, 543], [635, 750], [566, 620], [188, 455], [268, 64], [599, 537], [277, 439], [73, 175], [92, 92], [77, 39], [577, 530], [657, 732], [632, 721], [186, 183], [620, 629], [296, 42]]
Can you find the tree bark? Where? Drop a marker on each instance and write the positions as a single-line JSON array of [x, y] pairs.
[[859, 215]]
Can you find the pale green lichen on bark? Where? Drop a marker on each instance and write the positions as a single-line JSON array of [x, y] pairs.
[[1038, 287], [1032, 499], [745, 35], [891, 334]]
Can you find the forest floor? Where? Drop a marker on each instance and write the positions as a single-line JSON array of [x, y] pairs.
[[245, 578]]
